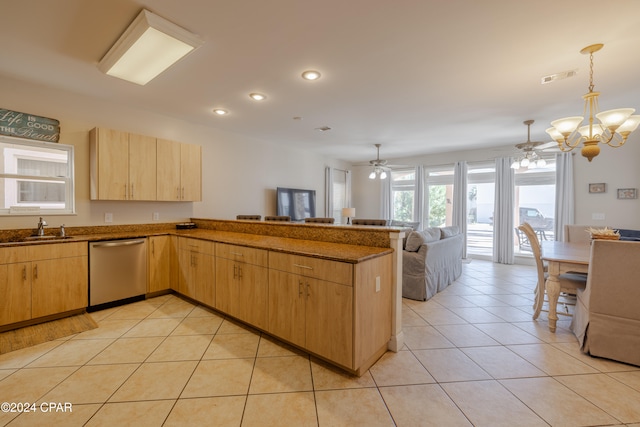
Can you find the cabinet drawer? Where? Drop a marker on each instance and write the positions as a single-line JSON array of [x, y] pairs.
[[14, 254], [196, 245], [243, 254], [60, 250], [332, 271]]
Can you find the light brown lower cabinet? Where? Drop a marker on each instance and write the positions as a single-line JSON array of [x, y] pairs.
[[42, 280], [242, 283], [196, 275], [160, 254]]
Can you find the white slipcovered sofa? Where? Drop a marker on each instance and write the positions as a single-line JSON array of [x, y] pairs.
[[431, 261]]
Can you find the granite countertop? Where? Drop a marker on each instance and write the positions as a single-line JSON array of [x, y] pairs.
[[317, 249]]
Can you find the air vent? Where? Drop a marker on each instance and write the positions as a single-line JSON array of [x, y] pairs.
[[558, 76]]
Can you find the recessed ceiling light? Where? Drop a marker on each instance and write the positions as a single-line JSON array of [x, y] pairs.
[[220, 111], [311, 75], [323, 128], [257, 96]]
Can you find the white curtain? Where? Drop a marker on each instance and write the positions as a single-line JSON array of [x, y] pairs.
[[328, 192], [503, 230], [385, 207], [460, 170], [565, 203], [418, 207]]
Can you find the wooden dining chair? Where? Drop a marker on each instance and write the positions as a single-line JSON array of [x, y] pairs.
[[569, 282], [319, 220], [285, 218]]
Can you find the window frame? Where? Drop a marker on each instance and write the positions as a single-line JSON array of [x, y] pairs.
[[30, 208]]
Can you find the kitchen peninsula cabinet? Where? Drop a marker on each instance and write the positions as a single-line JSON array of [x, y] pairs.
[[242, 283], [123, 165], [196, 270], [336, 310], [179, 172], [42, 280]]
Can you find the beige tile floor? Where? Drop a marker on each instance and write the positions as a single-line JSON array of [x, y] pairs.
[[473, 356]]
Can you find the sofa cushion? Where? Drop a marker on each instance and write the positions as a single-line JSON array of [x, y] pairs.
[[449, 231], [418, 238]]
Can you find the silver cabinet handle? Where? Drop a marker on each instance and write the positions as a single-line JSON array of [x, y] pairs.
[[236, 253], [24, 273], [35, 271], [303, 266]]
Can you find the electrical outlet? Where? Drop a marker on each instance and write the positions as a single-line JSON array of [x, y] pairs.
[[156, 216], [108, 217], [377, 283]]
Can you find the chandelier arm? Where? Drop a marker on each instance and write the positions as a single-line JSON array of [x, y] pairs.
[[573, 140], [617, 137]]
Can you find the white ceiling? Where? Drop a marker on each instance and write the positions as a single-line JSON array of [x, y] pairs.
[[417, 76]]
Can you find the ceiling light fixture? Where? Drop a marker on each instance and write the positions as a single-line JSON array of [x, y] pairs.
[[257, 96], [150, 45], [311, 75], [220, 111], [530, 159], [613, 128]]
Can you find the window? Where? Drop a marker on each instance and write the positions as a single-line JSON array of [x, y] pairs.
[[35, 177], [439, 197], [481, 193], [535, 203], [403, 192]]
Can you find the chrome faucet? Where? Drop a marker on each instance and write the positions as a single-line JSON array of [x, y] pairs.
[[41, 225], [62, 232]]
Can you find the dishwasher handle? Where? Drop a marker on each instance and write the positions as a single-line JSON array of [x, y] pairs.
[[117, 243]]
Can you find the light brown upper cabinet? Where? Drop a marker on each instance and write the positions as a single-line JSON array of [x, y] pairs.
[[179, 171], [123, 165]]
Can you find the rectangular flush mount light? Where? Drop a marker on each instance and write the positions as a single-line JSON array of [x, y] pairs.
[[149, 46]]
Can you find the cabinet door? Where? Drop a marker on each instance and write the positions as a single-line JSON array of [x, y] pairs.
[[186, 284], [159, 263], [59, 285], [204, 278], [242, 291], [15, 288], [287, 306], [191, 172], [112, 148], [142, 167], [168, 170], [329, 320]]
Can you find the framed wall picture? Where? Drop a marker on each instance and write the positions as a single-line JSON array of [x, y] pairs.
[[627, 193], [599, 187]]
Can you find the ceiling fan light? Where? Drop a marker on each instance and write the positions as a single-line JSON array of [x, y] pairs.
[[541, 163], [612, 119], [372, 175], [515, 165], [383, 175], [567, 125], [524, 163]]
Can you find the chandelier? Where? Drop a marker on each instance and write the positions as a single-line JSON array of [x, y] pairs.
[[530, 159], [612, 128]]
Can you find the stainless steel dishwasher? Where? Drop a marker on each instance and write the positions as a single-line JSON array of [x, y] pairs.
[[117, 272]]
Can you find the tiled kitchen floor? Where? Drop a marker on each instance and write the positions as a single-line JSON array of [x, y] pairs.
[[473, 356]]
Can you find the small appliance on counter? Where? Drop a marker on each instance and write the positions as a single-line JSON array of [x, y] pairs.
[[185, 225]]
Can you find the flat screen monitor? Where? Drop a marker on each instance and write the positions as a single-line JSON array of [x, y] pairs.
[[296, 203]]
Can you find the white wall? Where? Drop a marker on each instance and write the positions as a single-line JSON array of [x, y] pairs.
[[239, 175], [618, 168]]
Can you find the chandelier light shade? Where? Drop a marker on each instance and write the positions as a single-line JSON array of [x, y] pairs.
[[150, 45], [610, 127]]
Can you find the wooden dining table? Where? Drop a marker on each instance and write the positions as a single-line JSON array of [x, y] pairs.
[[562, 257]]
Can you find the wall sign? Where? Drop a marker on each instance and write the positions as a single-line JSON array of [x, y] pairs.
[[23, 125]]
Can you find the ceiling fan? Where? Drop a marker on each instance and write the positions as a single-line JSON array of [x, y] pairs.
[[530, 156]]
